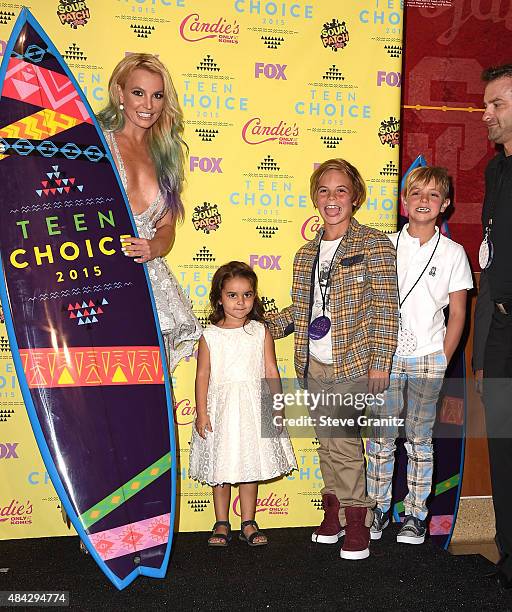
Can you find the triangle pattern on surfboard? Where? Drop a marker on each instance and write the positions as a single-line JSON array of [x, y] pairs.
[[53, 180], [86, 312]]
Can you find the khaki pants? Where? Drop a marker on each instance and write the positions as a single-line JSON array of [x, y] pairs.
[[341, 448]]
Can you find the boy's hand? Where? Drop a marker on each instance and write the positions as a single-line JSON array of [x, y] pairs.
[[203, 425], [378, 381], [448, 354]]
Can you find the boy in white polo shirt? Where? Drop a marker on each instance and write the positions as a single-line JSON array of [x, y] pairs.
[[433, 272]]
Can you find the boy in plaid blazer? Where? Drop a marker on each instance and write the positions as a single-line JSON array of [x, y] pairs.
[[344, 313]]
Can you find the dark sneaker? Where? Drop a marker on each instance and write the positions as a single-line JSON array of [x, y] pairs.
[[380, 522], [357, 535], [330, 530], [413, 531]]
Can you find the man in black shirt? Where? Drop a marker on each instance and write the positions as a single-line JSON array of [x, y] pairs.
[[492, 351]]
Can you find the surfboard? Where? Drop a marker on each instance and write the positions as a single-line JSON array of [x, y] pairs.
[[448, 441], [80, 316]]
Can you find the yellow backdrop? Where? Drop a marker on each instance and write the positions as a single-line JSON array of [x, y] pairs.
[[269, 89]]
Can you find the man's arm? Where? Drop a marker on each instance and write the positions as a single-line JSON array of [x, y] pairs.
[[483, 315], [484, 305]]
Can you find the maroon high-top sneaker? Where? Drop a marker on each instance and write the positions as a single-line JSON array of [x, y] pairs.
[[357, 535], [330, 530]]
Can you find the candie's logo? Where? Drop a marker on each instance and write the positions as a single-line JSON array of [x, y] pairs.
[[194, 29], [310, 227], [255, 132], [73, 12], [16, 513], [184, 412], [271, 504]]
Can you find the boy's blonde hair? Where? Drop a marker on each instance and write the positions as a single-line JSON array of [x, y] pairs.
[[341, 165], [424, 175]]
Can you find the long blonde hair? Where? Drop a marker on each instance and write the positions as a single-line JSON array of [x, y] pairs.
[[165, 138]]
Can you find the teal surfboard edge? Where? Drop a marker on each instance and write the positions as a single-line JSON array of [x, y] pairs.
[[24, 17]]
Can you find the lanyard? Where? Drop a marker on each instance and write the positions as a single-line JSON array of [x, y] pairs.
[[400, 302], [324, 295]]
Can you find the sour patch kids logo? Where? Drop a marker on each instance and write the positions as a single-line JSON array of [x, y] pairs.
[[75, 13], [389, 132], [206, 217], [334, 34]]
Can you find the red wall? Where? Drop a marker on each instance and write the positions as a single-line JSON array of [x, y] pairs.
[[446, 47]]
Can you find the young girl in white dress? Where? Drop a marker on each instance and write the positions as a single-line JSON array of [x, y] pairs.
[[235, 440]]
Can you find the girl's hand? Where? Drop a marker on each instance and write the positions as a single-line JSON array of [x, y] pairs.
[[140, 249], [203, 425], [277, 420]]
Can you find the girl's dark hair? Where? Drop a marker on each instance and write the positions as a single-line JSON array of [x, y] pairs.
[[234, 269]]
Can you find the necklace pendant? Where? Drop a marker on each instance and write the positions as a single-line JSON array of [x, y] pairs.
[[407, 342], [319, 328], [485, 253]]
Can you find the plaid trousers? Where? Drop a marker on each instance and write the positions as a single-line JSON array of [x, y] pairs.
[[424, 378]]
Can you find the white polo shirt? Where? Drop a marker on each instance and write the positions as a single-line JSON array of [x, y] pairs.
[[449, 271]]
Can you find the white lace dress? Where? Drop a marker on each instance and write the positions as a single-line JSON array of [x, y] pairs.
[[241, 447], [180, 328]]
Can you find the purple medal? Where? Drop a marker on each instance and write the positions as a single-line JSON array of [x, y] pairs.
[[319, 327]]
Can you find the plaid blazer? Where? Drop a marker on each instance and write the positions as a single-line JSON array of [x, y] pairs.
[[363, 304]]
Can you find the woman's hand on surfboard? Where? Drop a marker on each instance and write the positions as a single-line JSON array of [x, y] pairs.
[[140, 249]]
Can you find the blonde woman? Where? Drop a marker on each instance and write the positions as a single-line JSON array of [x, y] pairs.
[[143, 126]]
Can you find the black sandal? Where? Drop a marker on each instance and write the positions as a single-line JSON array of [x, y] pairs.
[[225, 538], [255, 534]]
